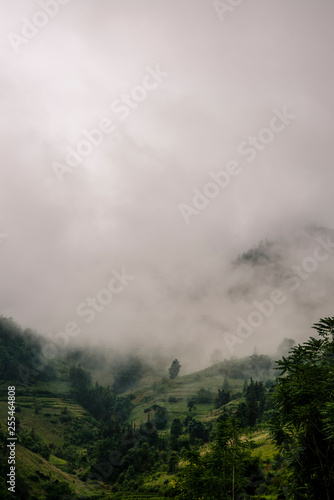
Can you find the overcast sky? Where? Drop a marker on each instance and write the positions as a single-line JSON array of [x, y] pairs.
[[203, 82]]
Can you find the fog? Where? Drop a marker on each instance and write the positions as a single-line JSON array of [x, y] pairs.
[[204, 82]]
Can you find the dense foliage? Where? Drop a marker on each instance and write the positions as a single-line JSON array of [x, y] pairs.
[[127, 374], [303, 419], [100, 401], [21, 358], [219, 474]]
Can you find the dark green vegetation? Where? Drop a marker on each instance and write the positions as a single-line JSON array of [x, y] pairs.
[[303, 417], [236, 430], [174, 369], [20, 354]]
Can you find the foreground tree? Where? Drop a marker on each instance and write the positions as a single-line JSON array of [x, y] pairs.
[[220, 473], [303, 419]]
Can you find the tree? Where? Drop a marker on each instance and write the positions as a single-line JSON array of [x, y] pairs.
[[21, 356], [198, 432], [127, 374], [302, 420], [160, 416], [242, 414], [223, 397], [174, 369], [220, 473], [260, 366], [252, 410], [255, 402], [173, 462], [191, 404], [176, 427], [228, 457], [175, 432]]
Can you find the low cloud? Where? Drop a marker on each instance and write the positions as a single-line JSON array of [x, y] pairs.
[[119, 208]]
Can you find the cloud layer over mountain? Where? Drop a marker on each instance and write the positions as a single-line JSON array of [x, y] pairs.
[[116, 117]]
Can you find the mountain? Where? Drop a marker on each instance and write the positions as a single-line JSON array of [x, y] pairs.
[[66, 421]]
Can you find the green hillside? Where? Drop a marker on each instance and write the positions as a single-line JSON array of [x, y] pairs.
[[49, 415], [229, 428]]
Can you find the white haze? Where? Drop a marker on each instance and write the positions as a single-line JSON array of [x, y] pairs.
[[119, 208]]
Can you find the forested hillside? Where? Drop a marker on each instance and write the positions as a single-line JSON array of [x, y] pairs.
[[248, 428]]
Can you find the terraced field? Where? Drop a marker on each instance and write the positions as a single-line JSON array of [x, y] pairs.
[[174, 394], [41, 410]]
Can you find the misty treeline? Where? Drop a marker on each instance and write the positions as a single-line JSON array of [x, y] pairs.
[[20, 351], [24, 357], [100, 401]]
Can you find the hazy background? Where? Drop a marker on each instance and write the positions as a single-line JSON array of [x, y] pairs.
[[119, 208]]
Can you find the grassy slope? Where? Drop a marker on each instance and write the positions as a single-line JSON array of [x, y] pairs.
[[40, 408], [152, 392], [33, 467], [265, 448]]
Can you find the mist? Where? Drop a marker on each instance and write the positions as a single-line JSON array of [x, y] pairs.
[[112, 198]]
